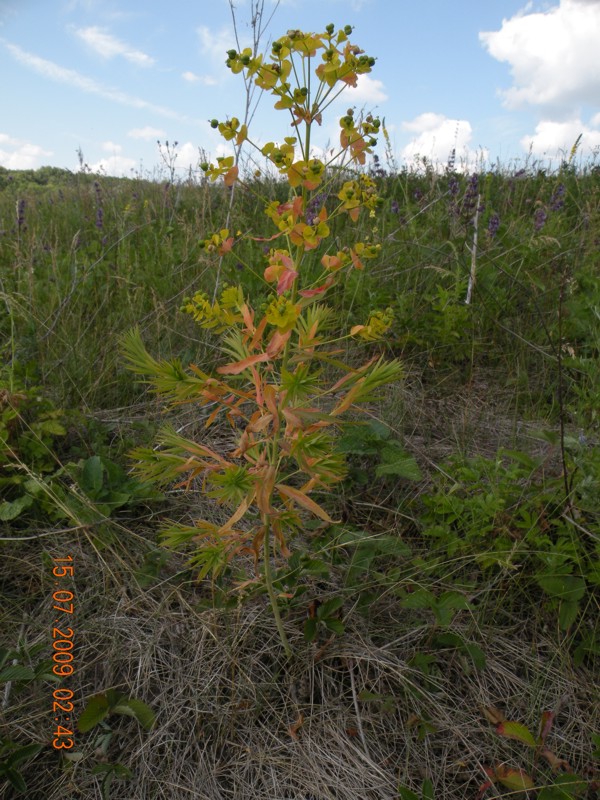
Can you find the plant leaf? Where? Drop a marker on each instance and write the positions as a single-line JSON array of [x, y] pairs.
[[563, 587], [517, 780], [17, 672], [239, 366], [95, 711], [136, 708], [515, 730], [303, 500]]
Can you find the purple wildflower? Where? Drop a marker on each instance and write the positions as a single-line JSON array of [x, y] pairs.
[[493, 225], [21, 213], [314, 206], [395, 207], [539, 219], [453, 186], [99, 218], [557, 200]]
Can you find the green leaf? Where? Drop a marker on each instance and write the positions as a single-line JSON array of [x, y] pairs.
[[329, 607], [566, 787], [516, 780], [517, 731], [397, 462], [563, 587], [421, 598], [51, 426], [335, 625], [92, 476], [427, 790], [95, 711], [407, 794], [12, 509], [15, 779], [17, 672], [310, 629], [567, 614], [118, 770], [24, 754], [380, 429], [476, 655], [136, 708]]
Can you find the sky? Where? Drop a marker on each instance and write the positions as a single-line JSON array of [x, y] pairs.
[[504, 82]]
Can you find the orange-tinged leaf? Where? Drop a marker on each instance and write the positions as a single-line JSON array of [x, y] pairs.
[[226, 246], [277, 343], [271, 403], [211, 418], [516, 780], [517, 731], [303, 500], [285, 552], [295, 726], [546, 724], [356, 329], [248, 317], [318, 290], [292, 420], [261, 422], [258, 386], [237, 515], [265, 481], [347, 401], [555, 762], [286, 281], [493, 715], [258, 334], [239, 366], [231, 176]]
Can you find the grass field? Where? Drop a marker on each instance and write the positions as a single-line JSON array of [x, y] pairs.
[[445, 634]]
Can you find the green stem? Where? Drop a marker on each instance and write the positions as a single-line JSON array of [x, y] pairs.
[[270, 589]]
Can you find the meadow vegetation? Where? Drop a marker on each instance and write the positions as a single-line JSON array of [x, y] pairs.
[[440, 639]]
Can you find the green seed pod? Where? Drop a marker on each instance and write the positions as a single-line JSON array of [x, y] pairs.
[[348, 30], [330, 28], [214, 123], [232, 54]]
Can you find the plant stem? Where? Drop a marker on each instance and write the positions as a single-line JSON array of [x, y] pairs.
[[270, 589]]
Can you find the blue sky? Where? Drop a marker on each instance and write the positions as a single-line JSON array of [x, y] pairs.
[[499, 80]]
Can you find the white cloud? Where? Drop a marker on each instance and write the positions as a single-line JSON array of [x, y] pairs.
[[18, 154], [114, 165], [205, 80], [111, 147], [109, 46], [187, 156], [73, 78], [436, 137], [555, 139], [553, 56], [369, 91], [147, 133], [216, 43]]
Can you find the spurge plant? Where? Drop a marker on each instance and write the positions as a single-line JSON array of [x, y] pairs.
[[283, 409]]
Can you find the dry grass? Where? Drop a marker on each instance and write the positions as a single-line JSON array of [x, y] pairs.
[[227, 703], [236, 722]]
